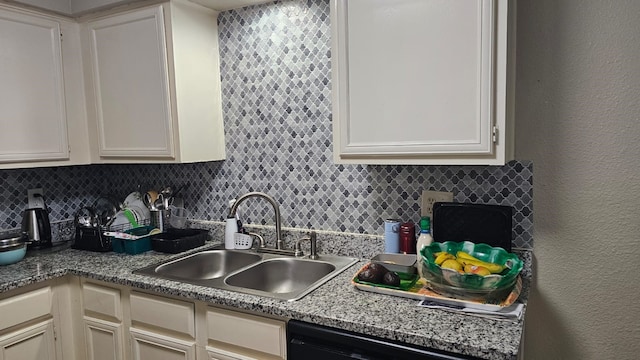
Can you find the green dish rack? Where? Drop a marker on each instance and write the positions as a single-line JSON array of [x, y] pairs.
[[133, 246]]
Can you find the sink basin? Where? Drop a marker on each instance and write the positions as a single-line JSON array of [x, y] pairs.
[[210, 264], [280, 276], [246, 271]]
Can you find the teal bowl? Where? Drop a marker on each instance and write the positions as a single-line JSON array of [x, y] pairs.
[[13, 256], [449, 277]]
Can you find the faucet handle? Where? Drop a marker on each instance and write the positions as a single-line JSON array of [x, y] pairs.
[[313, 239], [261, 243]]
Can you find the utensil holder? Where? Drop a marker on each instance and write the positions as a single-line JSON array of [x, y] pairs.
[[157, 219]]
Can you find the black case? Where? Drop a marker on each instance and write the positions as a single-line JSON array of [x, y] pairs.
[[478, 223], [91, 239]]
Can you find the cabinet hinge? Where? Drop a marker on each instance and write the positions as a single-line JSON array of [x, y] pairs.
[[61, 36], [55, 333], [494, 134]]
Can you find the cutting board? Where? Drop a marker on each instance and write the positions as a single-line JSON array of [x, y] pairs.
[[478, 223]]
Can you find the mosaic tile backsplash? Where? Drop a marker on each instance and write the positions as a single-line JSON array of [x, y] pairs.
[[276, 92]]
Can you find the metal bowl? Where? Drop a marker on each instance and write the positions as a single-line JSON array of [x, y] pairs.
[[10, 241], [404, 263], [12, 249]]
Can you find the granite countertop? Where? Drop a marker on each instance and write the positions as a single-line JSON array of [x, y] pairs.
[[337, 303]]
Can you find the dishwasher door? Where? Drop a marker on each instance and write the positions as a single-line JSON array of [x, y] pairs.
[[314, 342]]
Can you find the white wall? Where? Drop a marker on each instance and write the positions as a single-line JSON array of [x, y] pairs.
[[578, 119]]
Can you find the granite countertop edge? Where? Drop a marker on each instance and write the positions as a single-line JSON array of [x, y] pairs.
[[336, 303]]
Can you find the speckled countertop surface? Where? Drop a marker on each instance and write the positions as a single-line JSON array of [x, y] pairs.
[[336, 303]]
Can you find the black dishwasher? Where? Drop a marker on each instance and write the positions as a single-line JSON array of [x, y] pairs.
[[314, 342]]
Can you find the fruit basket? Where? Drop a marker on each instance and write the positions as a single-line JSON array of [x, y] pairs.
[[504, 268]]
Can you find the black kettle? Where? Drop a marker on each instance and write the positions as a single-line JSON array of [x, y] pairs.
[[36, 226]]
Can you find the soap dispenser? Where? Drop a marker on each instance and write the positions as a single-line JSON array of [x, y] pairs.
[[230, 229]]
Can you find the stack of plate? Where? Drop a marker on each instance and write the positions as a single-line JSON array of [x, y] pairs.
[[133, 214]]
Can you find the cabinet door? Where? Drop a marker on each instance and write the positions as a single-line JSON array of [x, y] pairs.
[[36, 342], [234, 335], [32, 105], [103, 339], [414, 80], [147, 345], [220, 354], [129, 65]]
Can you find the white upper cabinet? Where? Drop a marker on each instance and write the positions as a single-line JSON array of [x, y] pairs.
[[37, 77], [77, 8], [422, 81], [154, 86]]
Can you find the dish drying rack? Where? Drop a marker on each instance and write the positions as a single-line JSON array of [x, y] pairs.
[[91, 236]]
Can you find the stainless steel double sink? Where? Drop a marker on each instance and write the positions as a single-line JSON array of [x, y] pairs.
[[246, 271]]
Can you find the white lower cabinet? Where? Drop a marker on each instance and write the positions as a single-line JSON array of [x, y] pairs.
[[26, 326], [102, 321], [103, 339], [35, 342], [36, 322], [235, 335], [214, 353], [161, 328], [153, 345], [122, 323]]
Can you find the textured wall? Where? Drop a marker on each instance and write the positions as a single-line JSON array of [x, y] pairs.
[[578, 106]]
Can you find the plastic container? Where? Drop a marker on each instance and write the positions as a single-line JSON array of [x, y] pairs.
[[177, 217], [231, 228], [404, 263], [174, 241], [242, 241], [133, 246], [425, 238]]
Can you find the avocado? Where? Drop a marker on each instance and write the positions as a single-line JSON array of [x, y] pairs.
[[391, 278], [378, 268], [373, 273]]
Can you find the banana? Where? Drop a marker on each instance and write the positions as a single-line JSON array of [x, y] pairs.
[[452, 264], [466, 258], [465, 255], [442, 257]]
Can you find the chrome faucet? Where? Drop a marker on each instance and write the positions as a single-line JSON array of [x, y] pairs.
[[276, 208]]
